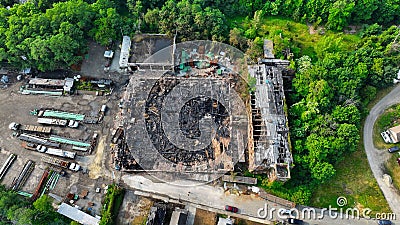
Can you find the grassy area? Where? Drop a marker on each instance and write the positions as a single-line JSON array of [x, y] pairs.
[[240, 221], [379, 95], [301, 41], [389, 118], [393, 169], [355, 181], [111, 205], [354, 178], [144, 206], [379, 127]]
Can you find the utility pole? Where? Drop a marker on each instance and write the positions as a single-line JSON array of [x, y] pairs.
[[173, 51]]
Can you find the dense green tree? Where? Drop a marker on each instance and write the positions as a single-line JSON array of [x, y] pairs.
[[107, 26], [346, 114], [237, 39], [191, 21], [374, 29], [6, 3], [339, 14], [151, 19], [322, 171]]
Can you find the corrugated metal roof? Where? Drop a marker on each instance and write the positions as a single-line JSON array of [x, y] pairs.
[[58, 93], [77, 215], [46, 82]]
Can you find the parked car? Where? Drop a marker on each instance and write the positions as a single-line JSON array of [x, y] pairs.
[[294, 221], [393, 149], [231, 208], [384, 222]]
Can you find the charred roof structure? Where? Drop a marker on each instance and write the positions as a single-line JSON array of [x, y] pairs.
[[190, 121], [196, 120], [270, 152]]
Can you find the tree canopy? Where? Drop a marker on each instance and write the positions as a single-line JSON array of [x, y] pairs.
[[16, 208]]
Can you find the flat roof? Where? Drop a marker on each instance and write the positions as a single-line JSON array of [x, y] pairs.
[[125, 47], [77, 215], [395, 129], [108, 54], [47, 82], [225, 221], [268, 49], [126, 43], [69, 83], [179, 217]]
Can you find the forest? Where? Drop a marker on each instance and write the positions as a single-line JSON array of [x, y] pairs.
[[336, 75], [18, 209]]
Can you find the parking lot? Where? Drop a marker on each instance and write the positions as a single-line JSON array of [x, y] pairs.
[[16, 108]]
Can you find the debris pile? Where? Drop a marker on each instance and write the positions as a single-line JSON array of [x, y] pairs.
[[123, 159]]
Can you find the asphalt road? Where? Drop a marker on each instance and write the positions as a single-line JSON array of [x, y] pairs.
[[214, 199], [376, 157]]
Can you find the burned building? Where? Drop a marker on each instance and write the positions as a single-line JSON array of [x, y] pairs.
[[190, 120], [270, 152], [196, 120]]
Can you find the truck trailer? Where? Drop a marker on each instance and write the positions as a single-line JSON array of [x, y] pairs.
[[50, 121], [58, 114], [38, 140], [61, 163], [33, 147], [48, 150], [29, 128], [58, 122], [60, 152], [7, 165]]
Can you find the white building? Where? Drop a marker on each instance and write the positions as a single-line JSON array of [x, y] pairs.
[[125, 48], [77, 215]]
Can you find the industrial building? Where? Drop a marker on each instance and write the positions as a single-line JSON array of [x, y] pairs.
[[196, 106], [77, 215], [270, 152], [177, 123]]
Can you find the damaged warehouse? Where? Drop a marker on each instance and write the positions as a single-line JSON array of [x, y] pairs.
[[270, 152], [193, 120]]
